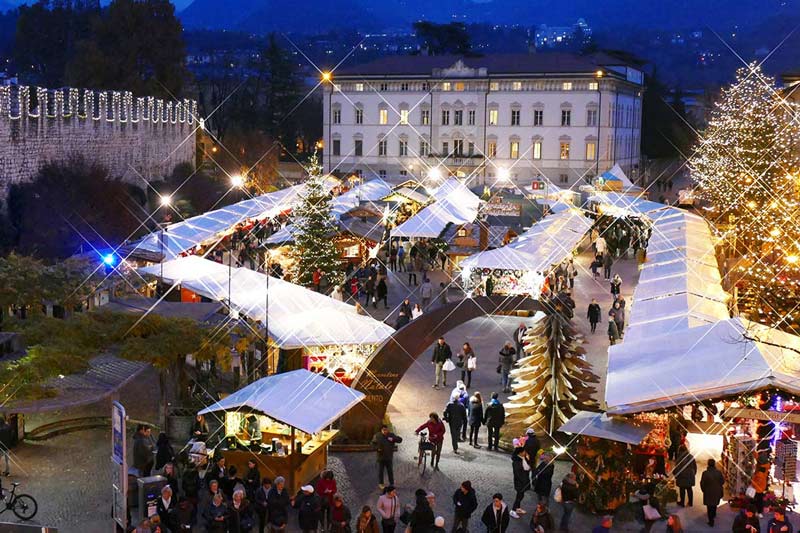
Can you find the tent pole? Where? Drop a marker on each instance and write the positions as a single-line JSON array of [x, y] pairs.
[[291, 462]]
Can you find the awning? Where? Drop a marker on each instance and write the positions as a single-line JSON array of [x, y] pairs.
[[602, 426], [675, 268], [677, 305], [720, 360], [453, 203], [673, 325], [298, 317], [617, 174], [301, 399]]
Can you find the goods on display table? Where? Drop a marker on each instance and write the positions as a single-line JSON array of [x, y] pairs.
[[738, 462], [339, 362]]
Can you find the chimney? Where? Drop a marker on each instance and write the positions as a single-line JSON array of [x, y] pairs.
[[483, 235]]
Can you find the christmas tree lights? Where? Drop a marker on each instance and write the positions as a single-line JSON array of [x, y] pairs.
[[747, 169]]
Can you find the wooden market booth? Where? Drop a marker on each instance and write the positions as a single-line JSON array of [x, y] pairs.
[[283, 423]]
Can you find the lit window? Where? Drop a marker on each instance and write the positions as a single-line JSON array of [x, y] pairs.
[[537, 149], [566, 117], [564, 150], [591, 150], [359, 116], [566, 86], [593, 85], [382, 147], [591, 117], [459, 86], [538, 117], [445, 117], [446, 86], [492, 148], [514, 151], [471, 117], [359, 87], [494, 86], [404, 116], [461, 232], [423, 146], [516, 86], [383, 116], [337, 147], [358, 147], [337, 116], [458, 117], [515, 117], [403, 147], [458, 146], [493, 114], [426, 117]]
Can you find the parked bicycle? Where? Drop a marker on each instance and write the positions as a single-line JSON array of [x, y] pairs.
[[22, 505]]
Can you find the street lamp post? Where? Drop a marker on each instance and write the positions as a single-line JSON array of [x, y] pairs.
[[165, 200]]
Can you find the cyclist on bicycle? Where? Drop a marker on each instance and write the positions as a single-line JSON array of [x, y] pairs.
[[436, 431]]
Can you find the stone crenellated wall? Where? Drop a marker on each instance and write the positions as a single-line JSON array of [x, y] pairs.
[[137, 139]]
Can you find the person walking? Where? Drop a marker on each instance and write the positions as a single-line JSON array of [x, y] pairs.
[[416, 312], [369, 293], [384, 443], [389, 509], [496, 516], [260, 500], [542, 520], [685, 471], [475, 418], [608, 262], [543, 478], [467, 362], [613, 332], [760, 482], [616, 283], [619, 318], [712, 483], [456, 416], [779, 523], [309, 509], [326, 488], [463, 398], [421, 519], [426, 292], [572, 273], [569, 495], [596, 263], [521, 468], [506, 361], [393, 259], [600, 246], [240, 518], [441, 354], [746, 521], [401, 258], [436, 431], [340, 516], [593, 314], [519, 339], [6, 441], [493, 418], [278, 503], [366, 522], [143, 458], [383, 293], [465, 503]]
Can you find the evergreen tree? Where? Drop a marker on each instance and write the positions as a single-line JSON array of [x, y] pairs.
[[746, 166], [314, 226], [551, 383]]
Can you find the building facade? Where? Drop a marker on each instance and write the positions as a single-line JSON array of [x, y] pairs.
[[489, 119]]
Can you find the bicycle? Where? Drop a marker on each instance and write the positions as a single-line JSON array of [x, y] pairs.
[[22, 505], [424, 450]]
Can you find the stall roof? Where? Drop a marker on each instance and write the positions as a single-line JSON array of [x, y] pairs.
[[602, 426], [694, 255], [298, 317], [675, 268], [185, 235], [629, 204], [672, 325], [369, 191], [737, 356], [453, 203], [412, 194], [676, 305], [301, 399], [687, 283], [616, 174], [106, 374]]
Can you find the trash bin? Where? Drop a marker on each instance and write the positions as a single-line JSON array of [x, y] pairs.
[[149, 491]]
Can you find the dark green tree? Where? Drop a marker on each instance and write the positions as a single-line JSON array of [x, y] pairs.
[[134, 45], [69, 206], [442, 39], [314, 225], [282, 93]]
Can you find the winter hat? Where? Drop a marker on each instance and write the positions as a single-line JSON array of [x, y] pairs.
[[515, 442], [529, 431], [439, 522], [460, 385], [454, 397], [307, 488]]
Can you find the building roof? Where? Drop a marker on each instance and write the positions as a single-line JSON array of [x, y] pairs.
[[495, 65], [370, 229]]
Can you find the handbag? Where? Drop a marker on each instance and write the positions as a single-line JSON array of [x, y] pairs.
[[448, 366], [557, 497], [651, 513], [750, 492], [499, 368]]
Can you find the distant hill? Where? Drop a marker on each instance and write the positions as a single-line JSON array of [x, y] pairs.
[[312, 16]]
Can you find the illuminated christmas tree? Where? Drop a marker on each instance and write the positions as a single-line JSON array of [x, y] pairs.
[[746, 167], [552, 382], [314, 248]]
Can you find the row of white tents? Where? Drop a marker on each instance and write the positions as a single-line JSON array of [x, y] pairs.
[[298, 317]]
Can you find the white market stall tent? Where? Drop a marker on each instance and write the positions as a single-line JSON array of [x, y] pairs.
[[737, 356], [453, 203], [675, 306], [686, 283], [369, 191], [658, 271], [298, 317], [602, 426]]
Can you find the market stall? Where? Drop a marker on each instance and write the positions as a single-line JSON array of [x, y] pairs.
[[283, 422], [453, 203]]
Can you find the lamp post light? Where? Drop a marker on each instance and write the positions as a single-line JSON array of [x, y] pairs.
[[165, 201]]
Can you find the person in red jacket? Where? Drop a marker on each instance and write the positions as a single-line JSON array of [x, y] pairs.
[[436, 431], [326, 489]]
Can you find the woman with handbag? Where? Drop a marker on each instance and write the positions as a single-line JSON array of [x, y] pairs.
[[467, 363]]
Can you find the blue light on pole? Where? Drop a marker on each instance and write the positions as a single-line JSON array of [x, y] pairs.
[[109, 260]]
